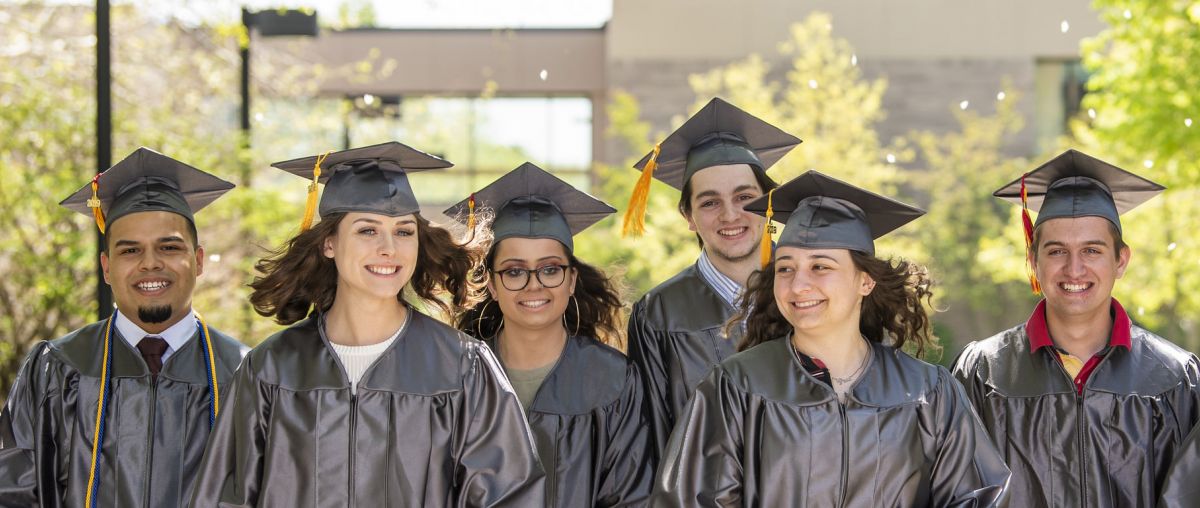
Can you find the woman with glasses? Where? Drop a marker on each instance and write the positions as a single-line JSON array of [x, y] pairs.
[[364, 400], [548, 316], [821, 407]]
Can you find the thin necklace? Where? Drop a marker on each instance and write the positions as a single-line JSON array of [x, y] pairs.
[[862, 365]]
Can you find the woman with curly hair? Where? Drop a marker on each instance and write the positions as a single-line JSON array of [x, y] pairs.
[[551, 319], [821, 407], [364, 400]]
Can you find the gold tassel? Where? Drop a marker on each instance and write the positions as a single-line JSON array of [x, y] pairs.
[[94, 203], [471, 212], [635, 215], [765, 246], [310, 205]]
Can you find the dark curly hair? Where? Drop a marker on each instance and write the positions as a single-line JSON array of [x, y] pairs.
[[297, 278], [895, 308], [597, 309]]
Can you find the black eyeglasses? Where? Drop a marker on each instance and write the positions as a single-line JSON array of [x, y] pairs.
[[549, 276]]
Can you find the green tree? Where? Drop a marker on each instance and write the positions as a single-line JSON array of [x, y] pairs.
[[972, 243], [174, 89], [1145, 94]]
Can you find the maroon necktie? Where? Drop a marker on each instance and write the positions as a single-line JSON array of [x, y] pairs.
[[152, 348]]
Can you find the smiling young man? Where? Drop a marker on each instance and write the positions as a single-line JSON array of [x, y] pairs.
[[1086, 407], [718, 160], [152, 372]]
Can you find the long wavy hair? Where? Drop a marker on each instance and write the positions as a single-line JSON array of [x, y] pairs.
[[894, 313], [297, 278], [597, 306]]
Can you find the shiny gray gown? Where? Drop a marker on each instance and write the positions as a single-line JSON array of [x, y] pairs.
[[434, 423], [155, 429], [675, 340], [592, 433], [1109, 447], [761, 431]]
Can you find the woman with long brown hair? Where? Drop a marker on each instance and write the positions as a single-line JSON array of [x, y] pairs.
[[364, 400], [822, 407], [548, 316]]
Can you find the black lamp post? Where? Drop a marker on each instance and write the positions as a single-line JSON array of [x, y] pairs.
[[104, 299], [270, 23]]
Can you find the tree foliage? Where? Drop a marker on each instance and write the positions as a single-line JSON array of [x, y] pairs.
[[1146, 94]]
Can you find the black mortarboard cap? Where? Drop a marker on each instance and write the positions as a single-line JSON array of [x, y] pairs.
[[720, 133], [826, 213], [146, 181], [529, 202], [369, 179], [1075, 184]]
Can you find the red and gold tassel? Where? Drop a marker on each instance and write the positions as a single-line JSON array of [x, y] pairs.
[[94, 203], [1028, 225]]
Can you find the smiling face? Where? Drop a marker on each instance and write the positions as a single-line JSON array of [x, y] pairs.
[[375, 254], [819, 290], [718, 195], [1078, 263], [535, 307], [152, 264]]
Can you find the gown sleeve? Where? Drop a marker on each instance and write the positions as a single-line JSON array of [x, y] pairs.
[[630, 458], [968, 471], [497, 464], [1182, 485], [701, 466], [231, 471], [20, 429], [645, 351]]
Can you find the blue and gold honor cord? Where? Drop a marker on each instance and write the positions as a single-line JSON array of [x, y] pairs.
[[102, 401]]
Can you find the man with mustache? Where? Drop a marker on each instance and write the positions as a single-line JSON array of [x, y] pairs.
[[117, 413]]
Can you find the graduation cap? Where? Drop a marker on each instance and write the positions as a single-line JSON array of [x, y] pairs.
[[720, 133], [822, 212], [1075, 184], [146, 181], [370, 179], [532, 203]]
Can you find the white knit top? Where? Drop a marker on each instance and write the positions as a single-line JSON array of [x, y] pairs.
[[357, 359]]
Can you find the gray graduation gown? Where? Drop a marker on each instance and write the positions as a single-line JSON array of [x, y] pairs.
[[761, 431], [434, 423], [155, 429], [675, 340], [1110, 446], [1181, 488], [593, 436]]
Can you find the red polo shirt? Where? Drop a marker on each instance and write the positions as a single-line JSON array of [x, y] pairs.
[[1039, 337]]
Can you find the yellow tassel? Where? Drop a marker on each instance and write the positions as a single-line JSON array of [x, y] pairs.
[[310, 206], [471, 212], [765, 246], [94, 203], [635, 214]]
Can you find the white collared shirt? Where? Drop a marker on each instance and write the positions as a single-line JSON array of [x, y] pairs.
[[176, 335], [725, 287]]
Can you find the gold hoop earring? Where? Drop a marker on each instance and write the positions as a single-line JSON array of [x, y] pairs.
[[479, 322]]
